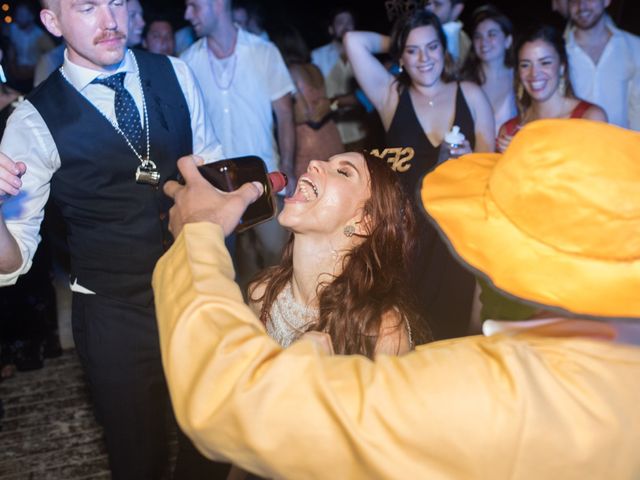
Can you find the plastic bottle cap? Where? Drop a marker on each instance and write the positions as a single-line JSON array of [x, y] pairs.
[[278, 181], [455, 136]]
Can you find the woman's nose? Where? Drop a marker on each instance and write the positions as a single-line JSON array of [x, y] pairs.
[[314, 166]]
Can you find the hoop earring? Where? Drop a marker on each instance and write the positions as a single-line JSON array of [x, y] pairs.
[[349, 230]]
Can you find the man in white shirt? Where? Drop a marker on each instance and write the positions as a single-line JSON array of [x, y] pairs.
[[604, 62], [245, 83], [458, 42], [339, 79], [100, 136]]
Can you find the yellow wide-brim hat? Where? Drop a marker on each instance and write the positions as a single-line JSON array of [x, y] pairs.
[[555, 220]]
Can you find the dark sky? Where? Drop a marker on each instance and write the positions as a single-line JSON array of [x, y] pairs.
[[310, 15]]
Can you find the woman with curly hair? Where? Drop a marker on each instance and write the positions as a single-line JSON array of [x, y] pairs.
[[344, 269]]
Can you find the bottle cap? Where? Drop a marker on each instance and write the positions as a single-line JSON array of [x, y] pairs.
[[278, 181], [455, 136]]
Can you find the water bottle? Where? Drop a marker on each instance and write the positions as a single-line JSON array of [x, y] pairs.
[[452, 139]]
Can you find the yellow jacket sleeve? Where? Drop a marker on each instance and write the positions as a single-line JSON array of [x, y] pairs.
[[498, 407]]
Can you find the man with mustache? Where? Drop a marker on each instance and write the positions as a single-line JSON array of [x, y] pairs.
[[604, 63], [101, 135]]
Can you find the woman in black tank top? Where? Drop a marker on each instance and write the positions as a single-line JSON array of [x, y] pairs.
[[417, 109]]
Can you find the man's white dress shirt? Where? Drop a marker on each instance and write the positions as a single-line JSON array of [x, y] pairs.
[[614, 82], [238, 91], [27, 139]]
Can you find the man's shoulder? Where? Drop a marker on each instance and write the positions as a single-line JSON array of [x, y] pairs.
[[632, 39], [323, 50], [254, 42], [53, 83], [194, 51]]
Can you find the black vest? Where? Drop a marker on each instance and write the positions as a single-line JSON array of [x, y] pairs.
[[116, 228]]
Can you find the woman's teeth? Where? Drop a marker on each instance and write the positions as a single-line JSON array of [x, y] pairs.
[[308, 189]]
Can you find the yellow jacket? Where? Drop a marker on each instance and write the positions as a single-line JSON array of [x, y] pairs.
[[500, 407]]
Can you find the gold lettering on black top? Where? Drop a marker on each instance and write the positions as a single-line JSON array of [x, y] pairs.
[[399, 158]]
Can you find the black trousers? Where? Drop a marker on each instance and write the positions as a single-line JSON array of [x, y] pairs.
[[119, 349]]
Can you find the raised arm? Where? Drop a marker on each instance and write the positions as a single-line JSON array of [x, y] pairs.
[[374, 79]]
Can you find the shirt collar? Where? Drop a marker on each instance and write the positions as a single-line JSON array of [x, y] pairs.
[[80, 76], [242, 40], [608, 21]]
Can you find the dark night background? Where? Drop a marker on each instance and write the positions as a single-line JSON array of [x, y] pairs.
[[311, 16]]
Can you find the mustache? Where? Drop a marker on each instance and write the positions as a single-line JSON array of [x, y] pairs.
[[110, 36]]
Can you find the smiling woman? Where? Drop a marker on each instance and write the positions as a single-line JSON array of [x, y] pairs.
[[417, 108], [490, 61], [344, 270], [543, 86]]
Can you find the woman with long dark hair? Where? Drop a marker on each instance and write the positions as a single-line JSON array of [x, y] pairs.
[[490, 61], [417, 109], [344, 270], [542, 84]]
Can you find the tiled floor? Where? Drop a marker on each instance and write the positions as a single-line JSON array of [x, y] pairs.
[[48, 430]]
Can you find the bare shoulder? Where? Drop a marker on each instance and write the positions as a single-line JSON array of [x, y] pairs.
[[476, 99], [256, 293], [472, 91], [393, 338], [594, 112]]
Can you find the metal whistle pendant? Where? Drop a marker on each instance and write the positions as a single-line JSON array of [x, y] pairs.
[[147, 174]]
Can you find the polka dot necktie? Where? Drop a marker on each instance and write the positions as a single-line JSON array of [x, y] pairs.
[[127, 113]]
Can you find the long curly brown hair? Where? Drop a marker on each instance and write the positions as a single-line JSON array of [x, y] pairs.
[[373, 280]]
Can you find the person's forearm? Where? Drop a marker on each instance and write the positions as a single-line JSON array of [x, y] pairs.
[[10, 256], [370, 41]]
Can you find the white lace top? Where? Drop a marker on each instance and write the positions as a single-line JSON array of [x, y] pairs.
[[289, 319]]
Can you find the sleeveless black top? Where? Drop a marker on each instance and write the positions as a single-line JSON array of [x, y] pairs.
[[418, 154], [442, 287]]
